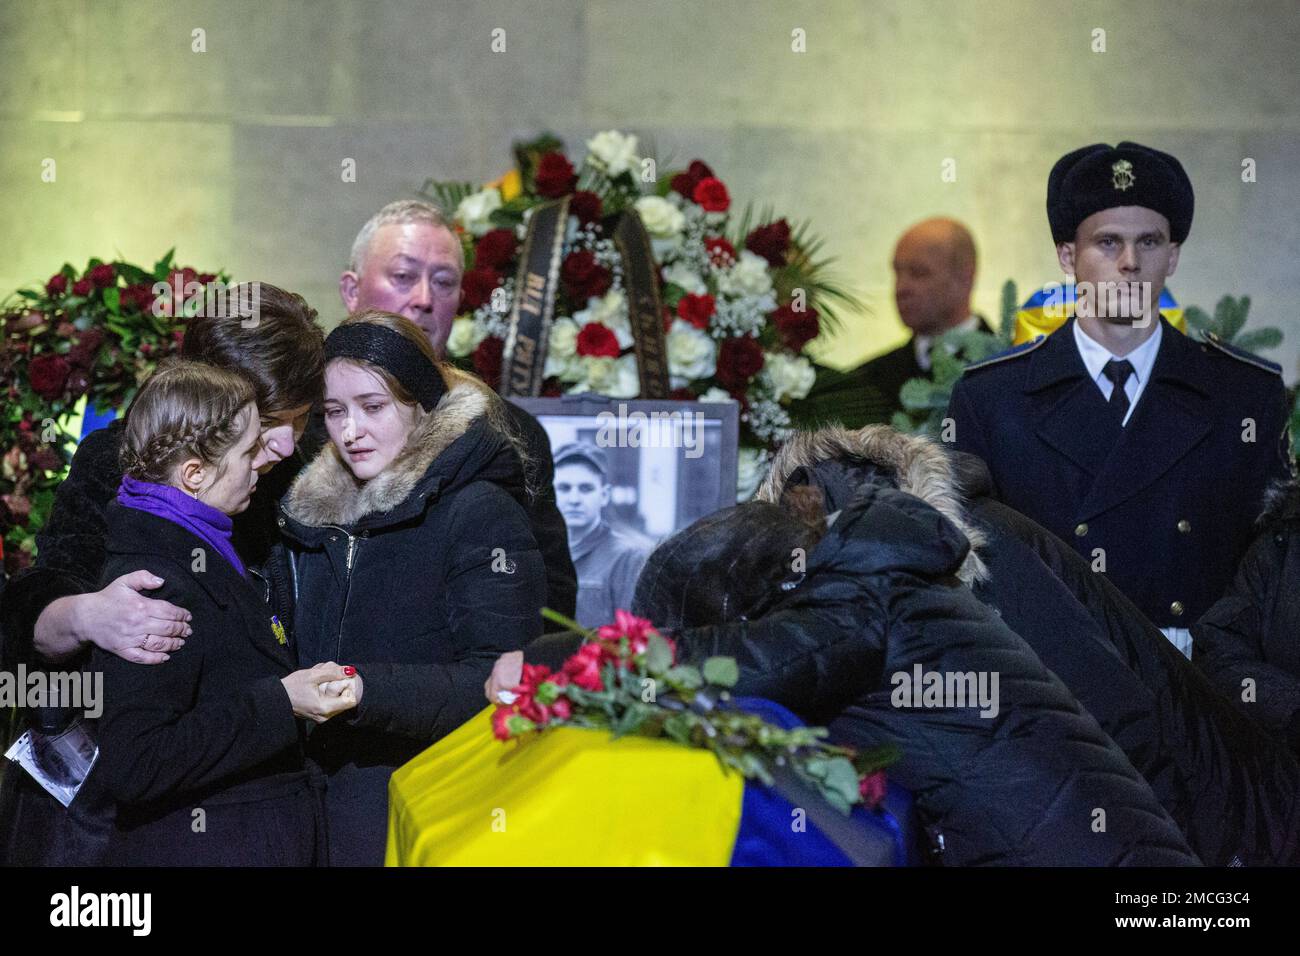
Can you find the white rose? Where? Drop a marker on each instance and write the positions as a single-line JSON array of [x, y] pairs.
[[563, 342], [751, 469], [570, 369], [474, 209], [717, 396], [464, 338], [616, 378], [788, 376], [691, 353], [661, 218], [616, 152], [680, 274], [748, 276]]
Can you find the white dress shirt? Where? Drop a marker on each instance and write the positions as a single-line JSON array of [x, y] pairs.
[[1095, 356], [922, 344]]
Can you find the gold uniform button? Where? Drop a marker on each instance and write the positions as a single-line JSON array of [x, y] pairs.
[[1176, 609], [1080, 530], [1184, 526]]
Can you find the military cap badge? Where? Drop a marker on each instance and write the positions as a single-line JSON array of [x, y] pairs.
[[1121, 175]]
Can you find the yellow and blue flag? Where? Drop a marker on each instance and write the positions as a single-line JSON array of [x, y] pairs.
[[576, 797]]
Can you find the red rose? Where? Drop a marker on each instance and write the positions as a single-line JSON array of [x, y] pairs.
[[682, 395], [712, 195], [476, 288], [597, 340], [699, 169], [495, 249], [102, 276], [586, 206], [555, 176], [796, 329], [873, 788], [696, 309], [206, 277], [81, 287], [583, 668], [721, 252], [739, 360], [683, 184], [500, 729], [57, 285], [538, 713], [84, 353], [561, 709], [583, 277], [770, 242], [552, 388], [139, 296], [487, 360], [48, 375]]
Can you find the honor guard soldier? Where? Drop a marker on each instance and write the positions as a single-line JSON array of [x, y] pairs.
[[1147, 450]]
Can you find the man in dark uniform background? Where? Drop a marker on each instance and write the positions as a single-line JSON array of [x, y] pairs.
[[1148, 451]]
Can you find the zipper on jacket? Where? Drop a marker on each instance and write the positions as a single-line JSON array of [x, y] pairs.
[[347, 586]]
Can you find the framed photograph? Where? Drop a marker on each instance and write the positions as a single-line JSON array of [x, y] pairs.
[[629, 473]]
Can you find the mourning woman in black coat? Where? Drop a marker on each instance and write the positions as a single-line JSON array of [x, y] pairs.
[[412, 556], [203, 752], [1231, 787]]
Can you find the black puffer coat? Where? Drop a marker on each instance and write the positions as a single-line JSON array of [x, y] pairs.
[[880, 597], [1231, 789], [1253, 632], [420, 578]]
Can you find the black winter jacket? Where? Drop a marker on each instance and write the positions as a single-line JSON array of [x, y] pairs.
[[880, 597], [211, 729], [420, 578], [1253, 632], [1231, 789]]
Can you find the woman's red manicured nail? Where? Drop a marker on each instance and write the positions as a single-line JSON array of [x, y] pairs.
[[350, 671]]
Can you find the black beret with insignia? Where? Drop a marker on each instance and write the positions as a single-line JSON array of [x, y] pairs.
[[1099, 177]]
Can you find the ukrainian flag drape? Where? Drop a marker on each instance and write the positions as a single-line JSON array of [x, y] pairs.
[[572, 797], [1035, 318]]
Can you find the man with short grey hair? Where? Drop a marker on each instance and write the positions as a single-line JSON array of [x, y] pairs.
[[406, 259]]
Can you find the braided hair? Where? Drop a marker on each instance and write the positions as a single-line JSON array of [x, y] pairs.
[[185, 410]]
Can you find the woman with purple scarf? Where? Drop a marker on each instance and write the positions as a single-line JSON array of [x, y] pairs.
[[204, 752]]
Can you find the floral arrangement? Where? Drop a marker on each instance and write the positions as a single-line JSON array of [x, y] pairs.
[[743, 299], [96, 333], [625, 679]]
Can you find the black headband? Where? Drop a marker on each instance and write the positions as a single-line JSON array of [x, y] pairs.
[[391, 351]]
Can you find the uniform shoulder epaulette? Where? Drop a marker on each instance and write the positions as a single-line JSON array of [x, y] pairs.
[[1019, 350], [1241, 355]]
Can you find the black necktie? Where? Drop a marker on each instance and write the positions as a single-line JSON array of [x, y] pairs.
[[1118, 371]]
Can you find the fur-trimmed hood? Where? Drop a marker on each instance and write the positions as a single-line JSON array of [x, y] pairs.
[[913, 464], [1281, 504], [327, 493]]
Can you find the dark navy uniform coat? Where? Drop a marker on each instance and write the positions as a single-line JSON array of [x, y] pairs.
[[1163, 505]]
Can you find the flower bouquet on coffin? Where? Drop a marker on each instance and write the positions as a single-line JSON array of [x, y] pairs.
[[743, 296], [625, 679]]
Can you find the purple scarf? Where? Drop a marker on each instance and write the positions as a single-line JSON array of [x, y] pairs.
[[164, 501]]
